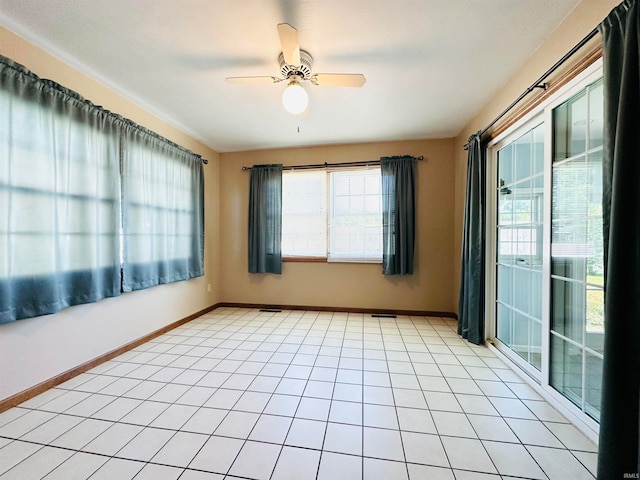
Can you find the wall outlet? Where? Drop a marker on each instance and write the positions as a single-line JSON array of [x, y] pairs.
[[208, 287]]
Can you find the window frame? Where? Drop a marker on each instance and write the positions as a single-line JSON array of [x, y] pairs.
[[328, 206]]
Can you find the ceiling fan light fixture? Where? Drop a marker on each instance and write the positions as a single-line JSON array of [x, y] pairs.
[[295, 98], [295, 66]]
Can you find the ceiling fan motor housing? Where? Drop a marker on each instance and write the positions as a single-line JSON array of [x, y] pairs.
[[303, 71]]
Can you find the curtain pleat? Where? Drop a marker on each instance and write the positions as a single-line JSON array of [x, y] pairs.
[[471, 299], [162, 212], [65, 167], [59, 197], [265, 219], [398, 214], [619, 419]]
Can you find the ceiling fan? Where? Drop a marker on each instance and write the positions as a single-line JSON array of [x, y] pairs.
[[295, 67]]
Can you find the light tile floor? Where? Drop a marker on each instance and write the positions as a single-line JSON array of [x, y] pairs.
[[244, 394]]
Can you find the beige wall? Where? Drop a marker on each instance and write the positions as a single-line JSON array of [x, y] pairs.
[[584, 18], [344, 284], [37, 349], [34, 350]]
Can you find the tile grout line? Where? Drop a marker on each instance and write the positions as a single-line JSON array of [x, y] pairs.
[[233, 328]]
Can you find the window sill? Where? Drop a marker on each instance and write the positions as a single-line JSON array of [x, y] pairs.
[[305, 259], [354, 260], [326, 260]]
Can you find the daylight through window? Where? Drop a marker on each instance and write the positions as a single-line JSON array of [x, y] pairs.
[[335, 215]]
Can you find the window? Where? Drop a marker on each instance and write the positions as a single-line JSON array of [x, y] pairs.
[[335, 215], [162, 212], [60, 198], [304, 213], [69, 176]]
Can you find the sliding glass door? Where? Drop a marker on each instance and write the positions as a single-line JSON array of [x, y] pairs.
[[547, 254]]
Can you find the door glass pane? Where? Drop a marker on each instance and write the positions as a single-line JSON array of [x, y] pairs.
[[536, 344], [520, 193], [570, 127], [504, 324], [594, 330], [522, 156], [507, 244], [520, 343], [577, 298], [522, 206], [536, 292], [569, 208], [566, 369], [593, 385], [505, 165], [538, 150], [522, 290], [505, 284], [596, 121], [595, 262], [568, 308], [505, 208]]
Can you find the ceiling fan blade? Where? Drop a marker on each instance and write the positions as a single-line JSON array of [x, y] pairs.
[[289, 42], [253, 80], [338, 79]]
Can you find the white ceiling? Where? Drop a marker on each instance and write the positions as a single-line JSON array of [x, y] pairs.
[[430, 64]]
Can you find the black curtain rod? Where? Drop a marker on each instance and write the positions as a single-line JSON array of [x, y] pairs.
[[20, 69], [539, 83], [362, 163]]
